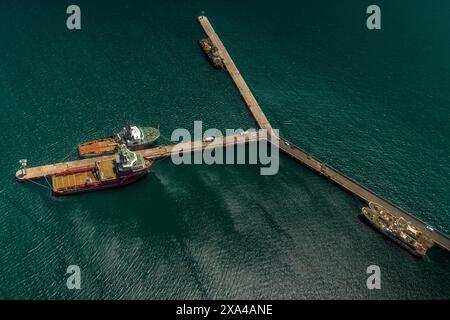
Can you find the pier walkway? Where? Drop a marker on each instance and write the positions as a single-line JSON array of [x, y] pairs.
[[33, 173], [304, 158], [239, 81]]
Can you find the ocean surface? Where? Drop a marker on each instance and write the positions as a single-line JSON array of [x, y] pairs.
[[374, 104]]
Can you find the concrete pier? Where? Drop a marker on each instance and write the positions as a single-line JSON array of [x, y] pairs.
[[304, 158], [239, 81], [33, 173], [285, 146]]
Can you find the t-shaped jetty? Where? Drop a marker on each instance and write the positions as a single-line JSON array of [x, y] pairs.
[[291, 150], [303, 157]]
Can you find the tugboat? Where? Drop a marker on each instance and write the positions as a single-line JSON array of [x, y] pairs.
[[397, 229], [134, 137], [211, 52], [126, 168]]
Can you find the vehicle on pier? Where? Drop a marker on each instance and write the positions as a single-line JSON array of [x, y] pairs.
[[126, 168], [211, 52], [134, 137], [398, 229]]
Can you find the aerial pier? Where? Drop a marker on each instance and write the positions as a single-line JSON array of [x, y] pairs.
[[298, 154], [306, 159], [39, 172], [239, 81]]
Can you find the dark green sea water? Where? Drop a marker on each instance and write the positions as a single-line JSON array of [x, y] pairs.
[[374, 104]]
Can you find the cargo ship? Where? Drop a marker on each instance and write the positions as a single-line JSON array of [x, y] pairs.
[[134, 137], [127, 167], [397, 229], [211, 52]]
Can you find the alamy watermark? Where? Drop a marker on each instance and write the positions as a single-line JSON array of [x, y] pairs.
[[73, 282], [73, 21], [262, 147], [374, 20], [374, 280]]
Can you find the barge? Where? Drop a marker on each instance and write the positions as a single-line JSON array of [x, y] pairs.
[[134, 137], [127, 167], [397, 229], [211, 52]]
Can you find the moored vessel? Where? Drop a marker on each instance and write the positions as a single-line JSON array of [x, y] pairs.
[[398, 229], [126, 168], [211, 52], [134, 137]]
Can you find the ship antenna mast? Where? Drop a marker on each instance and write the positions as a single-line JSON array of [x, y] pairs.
[[23, 167]]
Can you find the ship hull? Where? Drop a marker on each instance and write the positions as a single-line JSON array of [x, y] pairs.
[[392, 237], [141, 146], [119, 182], [206, 47], [98, 147], [92, 155], [113, 178], [104, 153], [109, 145]]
